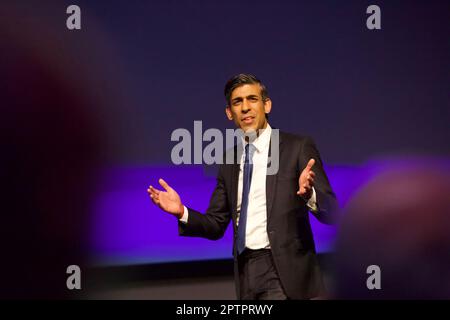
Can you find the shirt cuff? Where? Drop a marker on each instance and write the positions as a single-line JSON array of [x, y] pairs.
[[312, 203], [184, 218]]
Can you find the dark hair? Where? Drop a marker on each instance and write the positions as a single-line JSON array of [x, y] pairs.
[[240, 80]]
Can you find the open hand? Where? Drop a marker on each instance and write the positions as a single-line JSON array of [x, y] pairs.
[[167, 200], [306, 181]]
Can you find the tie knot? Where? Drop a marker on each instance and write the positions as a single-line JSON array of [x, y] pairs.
[[250, 148], [249, 151]]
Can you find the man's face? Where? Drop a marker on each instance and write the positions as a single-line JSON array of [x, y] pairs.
[[247, 109]]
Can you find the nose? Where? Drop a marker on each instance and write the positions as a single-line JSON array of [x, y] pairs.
[[245, 106]]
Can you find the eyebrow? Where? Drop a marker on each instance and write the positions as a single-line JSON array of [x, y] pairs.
[[248, 97]]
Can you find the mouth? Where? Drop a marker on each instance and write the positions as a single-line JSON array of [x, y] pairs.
[[248, 119]]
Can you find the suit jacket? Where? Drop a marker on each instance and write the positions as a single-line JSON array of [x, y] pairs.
[[288, 227]]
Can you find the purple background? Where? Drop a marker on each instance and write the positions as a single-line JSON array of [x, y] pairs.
[[129, 229]]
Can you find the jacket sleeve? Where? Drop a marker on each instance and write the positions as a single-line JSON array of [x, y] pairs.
[[213, 224]]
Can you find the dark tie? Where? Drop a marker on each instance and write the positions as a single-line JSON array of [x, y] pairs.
[[247, 180]]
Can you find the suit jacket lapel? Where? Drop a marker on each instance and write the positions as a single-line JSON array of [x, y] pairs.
[[271, 182], [234, 182]]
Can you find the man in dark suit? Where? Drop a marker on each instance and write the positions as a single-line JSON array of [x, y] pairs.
[[273, 247]]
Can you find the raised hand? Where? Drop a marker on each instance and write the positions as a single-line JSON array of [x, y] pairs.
[[167, 200], [306, 181]]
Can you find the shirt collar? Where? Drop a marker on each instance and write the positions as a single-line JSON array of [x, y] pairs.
[[262, 141]]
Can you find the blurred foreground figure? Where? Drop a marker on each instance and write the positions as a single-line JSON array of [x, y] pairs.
[[49, 151], [46, 168], [401, 223]]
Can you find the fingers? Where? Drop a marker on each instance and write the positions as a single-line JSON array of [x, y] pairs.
[[153, 190], [304, 188], [310, 164], [310, 178], [154, 194], [155, 198], [306, 185], [164, 185], [306, 180]]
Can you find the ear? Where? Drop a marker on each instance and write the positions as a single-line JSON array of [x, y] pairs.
[[267, 105], [228, 112]]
